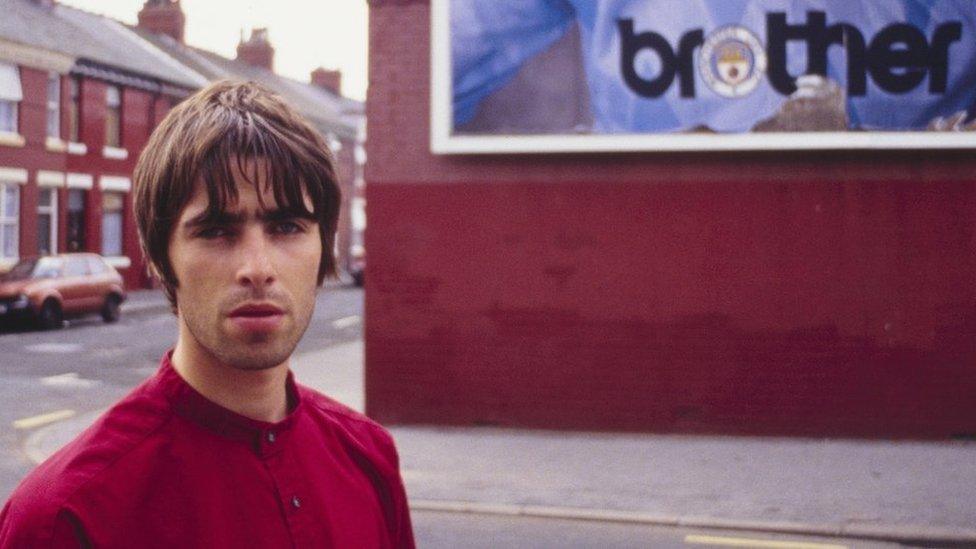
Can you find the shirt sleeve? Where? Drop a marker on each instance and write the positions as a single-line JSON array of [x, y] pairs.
[[27, 533], [491, 39], [399, 512], [69, 533]]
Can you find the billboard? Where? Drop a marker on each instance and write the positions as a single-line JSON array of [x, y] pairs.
[[632, 75]]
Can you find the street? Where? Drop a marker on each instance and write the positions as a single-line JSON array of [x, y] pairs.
[[48, 377], [88, 365]]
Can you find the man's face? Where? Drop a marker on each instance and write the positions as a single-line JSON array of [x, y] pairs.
[[247, 280]]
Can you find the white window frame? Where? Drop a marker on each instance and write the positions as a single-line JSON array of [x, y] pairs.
[[51, 210], [121, 232], [113, 101], [6, 222], [74, 114], [11, 94], [54, 105]]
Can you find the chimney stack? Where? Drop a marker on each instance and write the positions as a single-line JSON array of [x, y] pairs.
[[257, 50], [326, 79], [163, 17]]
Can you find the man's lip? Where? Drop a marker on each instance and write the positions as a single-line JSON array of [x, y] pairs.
[[256, 310]]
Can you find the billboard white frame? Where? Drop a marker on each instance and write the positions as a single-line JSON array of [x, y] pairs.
[[444, 142]]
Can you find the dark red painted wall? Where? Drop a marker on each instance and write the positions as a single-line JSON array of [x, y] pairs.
[[781, 293]]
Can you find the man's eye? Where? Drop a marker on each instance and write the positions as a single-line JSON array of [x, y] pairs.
[[287, 227], [214, 232]]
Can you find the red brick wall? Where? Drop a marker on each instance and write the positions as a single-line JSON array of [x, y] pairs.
[[33, 156], [762, 293], [140, 111]]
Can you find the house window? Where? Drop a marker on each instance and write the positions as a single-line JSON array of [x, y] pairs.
[[9, 214], [10, 96], [54, 105], [47, 221], [74, 111], [76, 220], [113, 116], [112, 223]]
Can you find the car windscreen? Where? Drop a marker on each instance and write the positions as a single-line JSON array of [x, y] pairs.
[[20, 271], [44, 267]]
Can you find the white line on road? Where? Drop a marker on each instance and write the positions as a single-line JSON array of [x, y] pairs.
[[43, 419], [346, 322], [70, 380], [58, 348], [746, 542]]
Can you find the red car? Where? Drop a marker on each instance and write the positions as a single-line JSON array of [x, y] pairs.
[[48, 289]]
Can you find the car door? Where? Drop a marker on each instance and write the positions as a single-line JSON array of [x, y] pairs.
[[75, 286]]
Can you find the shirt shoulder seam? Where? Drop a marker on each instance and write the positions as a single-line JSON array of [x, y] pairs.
[[111, 463]]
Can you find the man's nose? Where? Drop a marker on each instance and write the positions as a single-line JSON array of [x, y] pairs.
[[256, 268]]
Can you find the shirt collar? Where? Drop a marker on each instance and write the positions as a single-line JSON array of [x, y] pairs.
[[264, 438]]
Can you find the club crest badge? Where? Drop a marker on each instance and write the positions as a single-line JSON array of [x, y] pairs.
[[732, 61]]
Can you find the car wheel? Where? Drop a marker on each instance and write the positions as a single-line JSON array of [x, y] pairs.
[[50, 317], [111, 310]]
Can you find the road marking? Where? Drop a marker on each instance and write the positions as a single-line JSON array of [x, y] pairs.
[[59, 348], [746, 542], [346, 322], [71, 380], [43, 419]]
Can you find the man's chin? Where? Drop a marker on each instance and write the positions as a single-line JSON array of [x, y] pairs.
[[253, 358], [255, 351]]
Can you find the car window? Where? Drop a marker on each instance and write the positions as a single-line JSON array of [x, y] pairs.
[[76, 266], [96, 266], [47, 267]]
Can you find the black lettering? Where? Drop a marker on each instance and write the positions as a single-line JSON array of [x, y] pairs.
[[686, 61], [898, 69], [779, 34], [944, 36], [852, 41], [631, 45]]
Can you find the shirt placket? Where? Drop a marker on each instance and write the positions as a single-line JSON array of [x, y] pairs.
[[293, 492]]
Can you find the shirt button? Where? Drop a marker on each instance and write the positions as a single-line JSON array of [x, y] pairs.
[[295, 502], [271, 436]]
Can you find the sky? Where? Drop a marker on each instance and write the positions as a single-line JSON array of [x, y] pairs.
[[306, 34]]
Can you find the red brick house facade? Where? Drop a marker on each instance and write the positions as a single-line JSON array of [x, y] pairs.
[[779, 293], [85, 93]]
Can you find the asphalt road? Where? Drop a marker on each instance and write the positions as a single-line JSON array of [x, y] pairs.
[[88, 365]]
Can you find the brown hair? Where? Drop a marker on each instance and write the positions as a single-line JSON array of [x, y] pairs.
[[211, 136]]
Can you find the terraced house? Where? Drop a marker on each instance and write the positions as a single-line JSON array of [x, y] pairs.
[[80, 94]]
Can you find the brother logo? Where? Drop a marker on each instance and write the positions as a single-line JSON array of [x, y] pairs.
[[898, 57]]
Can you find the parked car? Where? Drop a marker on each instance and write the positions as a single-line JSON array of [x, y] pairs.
[[357, 264], [48, 289]]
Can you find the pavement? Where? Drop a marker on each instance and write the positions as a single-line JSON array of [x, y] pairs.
[[905, 491]]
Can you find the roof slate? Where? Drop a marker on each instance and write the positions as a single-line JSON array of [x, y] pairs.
[[91, 37], [329, 112]]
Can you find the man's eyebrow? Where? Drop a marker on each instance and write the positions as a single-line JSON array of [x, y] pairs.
[[206, 218], [284, 214]]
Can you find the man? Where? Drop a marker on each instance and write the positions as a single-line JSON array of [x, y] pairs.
[[236, 204]]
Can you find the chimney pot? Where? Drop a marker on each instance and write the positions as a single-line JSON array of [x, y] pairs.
[[327, 79], [163, 17], [257, 50]]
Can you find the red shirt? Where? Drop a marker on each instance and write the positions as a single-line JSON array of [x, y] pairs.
[[166, 467]]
